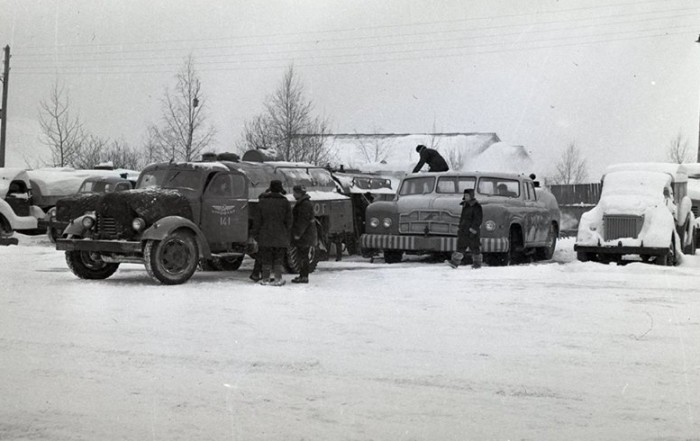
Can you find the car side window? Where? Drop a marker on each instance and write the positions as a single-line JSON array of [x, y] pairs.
[[227, 186]]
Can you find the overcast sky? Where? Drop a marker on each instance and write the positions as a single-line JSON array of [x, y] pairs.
[[618, 78]]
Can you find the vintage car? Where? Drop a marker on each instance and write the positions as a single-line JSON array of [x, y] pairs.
[[521, 220], [17, 210], [644, 211], [180, 213], [58, 217]]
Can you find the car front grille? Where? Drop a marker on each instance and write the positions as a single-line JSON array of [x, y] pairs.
[[432, 222], [620, 226]]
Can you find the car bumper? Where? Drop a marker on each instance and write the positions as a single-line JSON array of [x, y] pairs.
[[621, 250], [101, 246], [422, 243]]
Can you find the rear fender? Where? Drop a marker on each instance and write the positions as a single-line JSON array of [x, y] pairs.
[[166, 226]]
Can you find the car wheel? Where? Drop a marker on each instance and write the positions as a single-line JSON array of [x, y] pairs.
[[5, 228], [546, 252], [292, 263], [88, 265], [173, 260], [393, 256], [516, 254], [228, 263]]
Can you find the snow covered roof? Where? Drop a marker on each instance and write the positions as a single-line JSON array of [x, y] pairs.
[[677, 171], [64, 181]]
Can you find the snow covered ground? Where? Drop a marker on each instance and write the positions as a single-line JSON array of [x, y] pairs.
[[560, 350]]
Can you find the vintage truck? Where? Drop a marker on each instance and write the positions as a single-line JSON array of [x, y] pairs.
[[17, 209], [521, 220], [181, 213], [644, 211]]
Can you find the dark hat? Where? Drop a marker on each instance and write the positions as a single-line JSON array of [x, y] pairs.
[[468, 191], [420, 147], [299, 188], [276, 187]]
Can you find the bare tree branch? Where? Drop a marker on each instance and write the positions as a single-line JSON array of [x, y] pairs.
[[678, 149], [571, 168], [62, 132]]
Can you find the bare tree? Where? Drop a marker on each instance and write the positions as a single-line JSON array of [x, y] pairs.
[[678, 149], [375, 149], [121, 155], [288, 125], [456, 158], [91, 153], [184, 132], [572, 168], [62, 132]]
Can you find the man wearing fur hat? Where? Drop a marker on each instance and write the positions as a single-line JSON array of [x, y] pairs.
[[469, 232], [271, 228], [435, 161], [304, 234]]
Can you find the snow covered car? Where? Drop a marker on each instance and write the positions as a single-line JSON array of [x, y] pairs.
[[180, 213], [17, 211], [58, 217], [520, 220], [643, 210]]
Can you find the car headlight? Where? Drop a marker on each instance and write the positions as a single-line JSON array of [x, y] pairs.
[[88, 222], [138, 224], [374, 222], [387, 222], [490, 225]]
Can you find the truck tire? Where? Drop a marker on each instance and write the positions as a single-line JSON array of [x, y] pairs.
[[547, 252], [292, 263], [393, 256], [173, 260], [228, 263], [89, 266]]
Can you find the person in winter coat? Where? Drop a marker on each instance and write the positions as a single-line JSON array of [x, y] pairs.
[[304, 235], [271, 228], [435, 161], [469, 232]]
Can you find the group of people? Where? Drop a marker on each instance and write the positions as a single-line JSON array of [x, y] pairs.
[[469, 231], [276, 227]]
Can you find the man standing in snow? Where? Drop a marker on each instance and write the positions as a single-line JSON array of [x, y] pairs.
[[272, 224], [435, 161], [468, 234], [303, 230]]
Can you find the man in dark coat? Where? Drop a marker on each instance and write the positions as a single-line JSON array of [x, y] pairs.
[[271, 228], [304, 234], [435, 161], [469, 232]]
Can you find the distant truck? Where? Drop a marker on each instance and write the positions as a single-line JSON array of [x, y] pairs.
[[644, 210], [17, 209], [181, 213], [521, 221]]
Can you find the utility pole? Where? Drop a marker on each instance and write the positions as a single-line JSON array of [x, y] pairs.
[[698, 41], [3, 110]]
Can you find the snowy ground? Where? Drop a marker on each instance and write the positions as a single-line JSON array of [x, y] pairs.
[[414, 351]]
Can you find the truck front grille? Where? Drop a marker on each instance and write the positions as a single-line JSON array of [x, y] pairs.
[[432, 222], [107, 227], [621, 226]]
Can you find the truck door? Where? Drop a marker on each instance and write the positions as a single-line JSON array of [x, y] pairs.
[[538, 213], [224, 218]]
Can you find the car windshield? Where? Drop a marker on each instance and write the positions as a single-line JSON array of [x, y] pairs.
[[96, 187], [417, 186], [499, 187], [170, 178], [455, 184]]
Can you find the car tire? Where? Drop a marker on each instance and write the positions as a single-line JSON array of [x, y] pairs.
[[86, 265], [393, 256], [228, 263], [5, 227], [292, 262], [547, 252], [173, 260]]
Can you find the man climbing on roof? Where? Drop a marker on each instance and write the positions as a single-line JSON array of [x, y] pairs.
[[435, 161]]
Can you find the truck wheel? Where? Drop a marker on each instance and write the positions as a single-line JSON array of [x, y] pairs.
[[516, 253], [292, 263], [173, 260], [87, 265], [228, 263], [53, 234], [546, 252], [393, 256]]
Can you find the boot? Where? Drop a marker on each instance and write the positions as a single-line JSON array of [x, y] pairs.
[[456, 259], [278, 275], [266, 275], [476, 261]]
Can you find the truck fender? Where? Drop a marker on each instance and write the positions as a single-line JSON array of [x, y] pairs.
[[75, 227], [164, 227]]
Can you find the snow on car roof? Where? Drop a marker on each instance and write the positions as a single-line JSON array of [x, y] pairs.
[[63, 181], [7, 175], [677, 171]]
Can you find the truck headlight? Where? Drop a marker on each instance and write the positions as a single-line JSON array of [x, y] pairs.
[[490, 225], [374, 222], [387, 222], [138, 224], [88, 222]]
